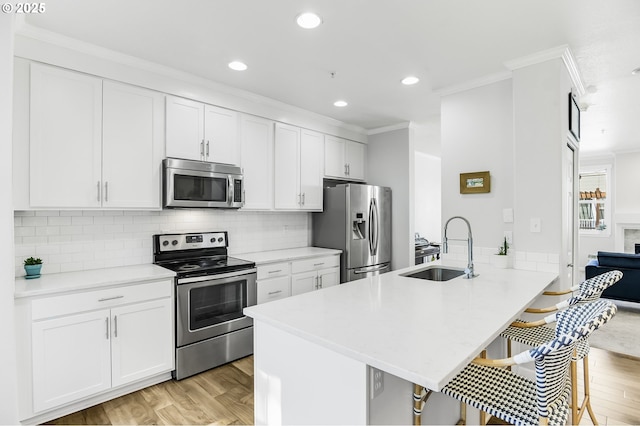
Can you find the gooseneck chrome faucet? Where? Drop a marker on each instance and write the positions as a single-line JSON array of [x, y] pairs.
[[445, 246]]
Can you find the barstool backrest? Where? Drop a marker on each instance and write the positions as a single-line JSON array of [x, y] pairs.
[[591, 289], [552, 359]]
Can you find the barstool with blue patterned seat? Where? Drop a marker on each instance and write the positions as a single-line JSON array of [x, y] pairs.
[[486, 385], [535, 333]]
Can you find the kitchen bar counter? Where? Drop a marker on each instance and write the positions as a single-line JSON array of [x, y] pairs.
[[263, 257], [63, 282], [421, 331]]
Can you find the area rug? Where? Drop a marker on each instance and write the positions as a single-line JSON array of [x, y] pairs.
[[621, 334]]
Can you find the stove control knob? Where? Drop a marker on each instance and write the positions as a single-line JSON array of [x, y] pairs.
[[165, 243], [174, 242], [220, 239], [213, 240]]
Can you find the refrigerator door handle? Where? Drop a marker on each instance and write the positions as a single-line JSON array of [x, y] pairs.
[[371, 228], [376, 226]]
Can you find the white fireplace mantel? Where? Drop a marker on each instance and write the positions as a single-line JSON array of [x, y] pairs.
[[623, 222]]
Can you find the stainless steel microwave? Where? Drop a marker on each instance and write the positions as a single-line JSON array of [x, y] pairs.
[[188, 183]]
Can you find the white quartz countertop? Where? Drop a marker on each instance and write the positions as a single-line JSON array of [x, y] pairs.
[[271, 256], [422, 331], [64, 282]]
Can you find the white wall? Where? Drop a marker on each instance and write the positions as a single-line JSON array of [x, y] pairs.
[[428, 196], [8, 384], [390, 163], [477, 135], [627, 176], [540, 96]]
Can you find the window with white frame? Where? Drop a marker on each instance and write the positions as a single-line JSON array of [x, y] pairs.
[[594, 205]]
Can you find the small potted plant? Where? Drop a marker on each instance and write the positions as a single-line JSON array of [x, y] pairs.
[[502, 258], [32, 267]]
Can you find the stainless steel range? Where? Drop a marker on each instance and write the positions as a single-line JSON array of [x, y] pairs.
[[212, 289]]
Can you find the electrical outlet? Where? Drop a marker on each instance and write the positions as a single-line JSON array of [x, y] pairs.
[[377, 382], [535, 224]]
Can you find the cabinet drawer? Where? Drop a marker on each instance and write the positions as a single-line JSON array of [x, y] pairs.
[[273, 289], [314, 264], [105, 298], [273, 270]]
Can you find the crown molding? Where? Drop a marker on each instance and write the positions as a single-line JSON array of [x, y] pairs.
[[391, 128], [560, 52], [473, 84], [24, 29]]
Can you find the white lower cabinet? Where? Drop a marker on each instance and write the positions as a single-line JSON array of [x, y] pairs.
[[314, 274], [80, 349], [284, 279]]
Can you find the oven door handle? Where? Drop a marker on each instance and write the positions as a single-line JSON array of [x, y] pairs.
[[217, 276]]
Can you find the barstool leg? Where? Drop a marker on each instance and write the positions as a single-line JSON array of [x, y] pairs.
[[574, 393], [587, 392]]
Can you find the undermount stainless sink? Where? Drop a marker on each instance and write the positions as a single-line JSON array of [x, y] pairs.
[[435, 273]]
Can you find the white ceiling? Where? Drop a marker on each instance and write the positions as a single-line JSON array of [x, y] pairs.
[[371, 45]]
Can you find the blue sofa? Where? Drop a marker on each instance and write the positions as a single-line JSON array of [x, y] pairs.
[[628, 288]]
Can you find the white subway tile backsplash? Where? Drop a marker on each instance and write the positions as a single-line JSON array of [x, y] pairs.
[[92, 239]]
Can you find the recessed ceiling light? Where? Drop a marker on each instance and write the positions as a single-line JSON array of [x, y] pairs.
[[340, 103], [408, 81], [237, 66], [308, 20], [636, 71]]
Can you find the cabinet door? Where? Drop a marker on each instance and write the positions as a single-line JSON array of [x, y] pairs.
[[287, 167], [142, 341], [335, 164], [65, 138], [274, 289], [356, 158], [132, 148], [221, 135], [71, 358], [329, 277], [185, 128], [257, 162], [304, 282], [311, 169]]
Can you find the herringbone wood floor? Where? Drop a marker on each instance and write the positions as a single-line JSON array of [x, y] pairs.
[[224, 395]]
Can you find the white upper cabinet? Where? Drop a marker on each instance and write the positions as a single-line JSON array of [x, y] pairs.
[[344, 159], [197, 131], [311, 169], [287, 167], [256, 143], [298, 168], [185, 129], [93, 144], [65, 138], [132, 146]]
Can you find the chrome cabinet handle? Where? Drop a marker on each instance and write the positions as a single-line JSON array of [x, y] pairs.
[[275, 272], [316, 280], [348, 169], [346, 172], [207, 149], [98, 191], [106, 322], [320, 279], [303, 194], [110, 298], [202, 149], [106, 191], [299, 199], [318, 264], [115, 326], [274, 292]]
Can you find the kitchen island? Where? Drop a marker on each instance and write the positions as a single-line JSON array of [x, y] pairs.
[[316, 354]]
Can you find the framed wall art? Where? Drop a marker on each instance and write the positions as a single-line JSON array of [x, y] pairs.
[[574, 118], [475, 183]]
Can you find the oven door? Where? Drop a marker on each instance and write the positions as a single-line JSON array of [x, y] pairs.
[[212, 306]]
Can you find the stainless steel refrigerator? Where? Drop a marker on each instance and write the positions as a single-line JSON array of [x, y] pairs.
[[357, 220]]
